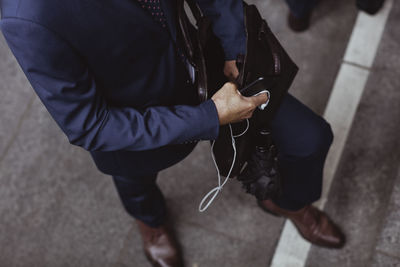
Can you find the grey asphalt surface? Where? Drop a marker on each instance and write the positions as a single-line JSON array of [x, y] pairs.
[[57, 209]]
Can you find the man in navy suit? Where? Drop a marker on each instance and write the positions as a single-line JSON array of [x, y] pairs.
[[111, 75]]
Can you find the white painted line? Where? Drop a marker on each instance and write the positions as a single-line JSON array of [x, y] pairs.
[[366, 36], [340, 111], [292, 250]]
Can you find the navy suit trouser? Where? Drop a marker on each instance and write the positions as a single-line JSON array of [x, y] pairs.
[[303, 139]]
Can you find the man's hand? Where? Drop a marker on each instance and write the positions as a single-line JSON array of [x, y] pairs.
[[232, 106], [230, 70]]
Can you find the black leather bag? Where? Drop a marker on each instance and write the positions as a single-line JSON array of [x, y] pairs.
[[265, 57]]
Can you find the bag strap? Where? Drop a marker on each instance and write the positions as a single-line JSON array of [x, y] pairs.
[[196, 11], [182, 21]]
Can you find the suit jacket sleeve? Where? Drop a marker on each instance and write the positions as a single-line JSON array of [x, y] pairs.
[[64, 84], [228, 24]]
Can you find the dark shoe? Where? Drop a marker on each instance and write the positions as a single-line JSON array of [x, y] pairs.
[[160, 247], [299, 24], [313, 224], [370, 6]]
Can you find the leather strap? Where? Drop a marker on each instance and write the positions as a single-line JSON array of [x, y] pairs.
[[183, 20], [196, 11]]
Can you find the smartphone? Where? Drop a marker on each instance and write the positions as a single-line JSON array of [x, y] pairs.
[[255, 87]]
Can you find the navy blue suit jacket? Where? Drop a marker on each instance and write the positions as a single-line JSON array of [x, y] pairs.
[[110, 76]]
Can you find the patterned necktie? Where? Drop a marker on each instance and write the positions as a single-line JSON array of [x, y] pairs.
[[154, 8]]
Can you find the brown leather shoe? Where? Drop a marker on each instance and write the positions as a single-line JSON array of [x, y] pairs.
[[299, 24], [160, 246], [313, 224]]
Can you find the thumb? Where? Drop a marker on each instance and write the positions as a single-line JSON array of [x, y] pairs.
[[259, 99]]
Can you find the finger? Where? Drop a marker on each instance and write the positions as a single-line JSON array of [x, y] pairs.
[[249, 115], [233, 85], [259, 99], [230, 85]]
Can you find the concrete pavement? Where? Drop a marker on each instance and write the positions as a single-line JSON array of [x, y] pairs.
[[58, 210]]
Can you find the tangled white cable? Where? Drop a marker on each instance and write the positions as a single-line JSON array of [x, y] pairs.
[[215, 191]]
